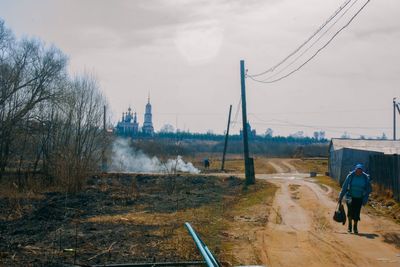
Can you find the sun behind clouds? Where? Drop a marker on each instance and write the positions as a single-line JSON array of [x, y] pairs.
[[199, 42]]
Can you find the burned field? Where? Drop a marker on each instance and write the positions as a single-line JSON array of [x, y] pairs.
[[121, 218]]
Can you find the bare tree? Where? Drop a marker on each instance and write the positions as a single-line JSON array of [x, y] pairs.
[[29, 74], [48, 121], [74, 138]]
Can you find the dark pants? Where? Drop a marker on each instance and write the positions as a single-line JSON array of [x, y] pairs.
[[354, 208]]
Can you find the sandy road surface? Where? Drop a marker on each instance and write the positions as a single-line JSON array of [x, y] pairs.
[[301, 232]]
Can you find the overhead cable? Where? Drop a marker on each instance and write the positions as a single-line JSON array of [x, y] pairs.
[[316, 53], [309, 39], [312, 45], [234, 121]]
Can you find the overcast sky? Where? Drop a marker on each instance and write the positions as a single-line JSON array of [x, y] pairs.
[[186, 54]]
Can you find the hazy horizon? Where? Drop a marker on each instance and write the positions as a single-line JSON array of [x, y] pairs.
[[186, 55]]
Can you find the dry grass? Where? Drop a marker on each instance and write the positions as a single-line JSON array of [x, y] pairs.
[[306, 165], [13, 192], [261, 193], [231, 165], [326, 180], [222, 225], [16, 199], [262, 166], [382, 203], [137, 218], [169, 230], [235, 164]]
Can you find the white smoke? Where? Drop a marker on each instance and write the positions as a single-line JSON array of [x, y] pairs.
[[127, 159]]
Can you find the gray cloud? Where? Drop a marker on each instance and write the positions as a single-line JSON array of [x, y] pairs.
[[378, 32], [137, 46]]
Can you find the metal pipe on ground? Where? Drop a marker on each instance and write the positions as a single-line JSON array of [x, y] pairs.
[[204, 251]]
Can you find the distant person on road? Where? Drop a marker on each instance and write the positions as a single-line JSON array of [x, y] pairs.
[[356, 189], [206, 163]]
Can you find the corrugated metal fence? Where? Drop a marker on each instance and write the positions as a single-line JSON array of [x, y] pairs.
[[385, 172]]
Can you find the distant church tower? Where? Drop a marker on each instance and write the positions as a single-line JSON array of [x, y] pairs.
[[135, 126], [148, 124]]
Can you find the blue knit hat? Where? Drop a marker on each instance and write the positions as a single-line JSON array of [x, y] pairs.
[[359, 166]]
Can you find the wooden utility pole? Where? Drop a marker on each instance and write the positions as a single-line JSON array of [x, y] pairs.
[[226, 138], [248, 163]]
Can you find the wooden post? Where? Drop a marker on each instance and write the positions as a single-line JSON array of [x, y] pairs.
[[250, 179], [226, 138]]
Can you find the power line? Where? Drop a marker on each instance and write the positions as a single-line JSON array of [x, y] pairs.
[[309, 39], [317, 52], [312, 45], [234, 121]]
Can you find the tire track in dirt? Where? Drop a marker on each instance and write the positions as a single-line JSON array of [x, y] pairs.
[[292, 169], [282, 166], [369, 244], [301, 232], [278, 168], [290, 241]]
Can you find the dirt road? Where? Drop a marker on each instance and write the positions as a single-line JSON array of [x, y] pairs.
[[301, 232]]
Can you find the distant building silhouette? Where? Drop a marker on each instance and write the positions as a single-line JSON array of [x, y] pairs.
[[148, 128], [129, 126]]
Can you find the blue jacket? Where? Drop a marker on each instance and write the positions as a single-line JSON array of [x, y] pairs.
[[347, 187]]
